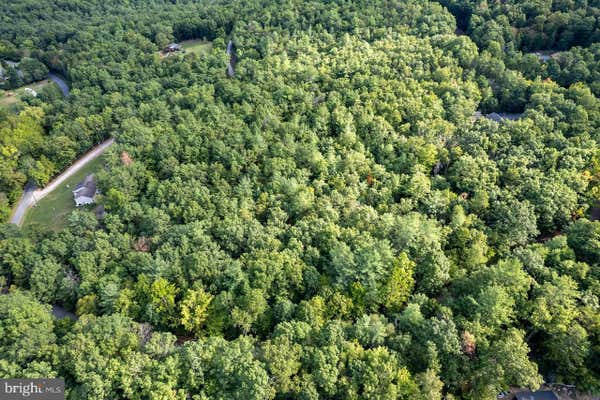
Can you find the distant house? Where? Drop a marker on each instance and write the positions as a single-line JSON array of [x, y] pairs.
[[172, 47], [539, 395], [30, 91], [499, 117], [545, 56], [15, 65], [85, 192], [542, 57]]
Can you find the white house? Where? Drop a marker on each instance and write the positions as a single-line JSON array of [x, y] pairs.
[[30, 91], [85, 192]]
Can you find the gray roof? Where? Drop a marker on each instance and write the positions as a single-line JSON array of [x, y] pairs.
[[498, 117], [541, 395], [546, 55], [11, 64], [86, 188]]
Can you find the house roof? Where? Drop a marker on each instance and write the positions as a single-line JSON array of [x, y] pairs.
[[85, 188], [31, 91], [540, 395], [498, 117], [13, 65], [494, 117], [546, 55], [173, 46]]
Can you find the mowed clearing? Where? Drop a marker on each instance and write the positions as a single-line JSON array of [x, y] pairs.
[[196, 46], [52, 211], [11, 98]]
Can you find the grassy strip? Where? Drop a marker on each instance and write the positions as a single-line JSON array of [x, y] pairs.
[[53, 210]]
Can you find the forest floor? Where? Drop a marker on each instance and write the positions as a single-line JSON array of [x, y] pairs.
[[52, 210], [11, 98]]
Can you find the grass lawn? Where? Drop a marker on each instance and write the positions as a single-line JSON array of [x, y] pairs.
[[11, 101], [197, 46], [52, 211]]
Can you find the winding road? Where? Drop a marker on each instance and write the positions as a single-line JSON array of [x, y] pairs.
[[64, 88], [60, 312], [33, 195]]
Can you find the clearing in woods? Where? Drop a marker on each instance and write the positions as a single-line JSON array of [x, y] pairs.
[[197, 46], [11, 98], [52, 211]]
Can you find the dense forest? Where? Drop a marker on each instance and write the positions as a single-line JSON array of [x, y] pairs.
[[337, 220]]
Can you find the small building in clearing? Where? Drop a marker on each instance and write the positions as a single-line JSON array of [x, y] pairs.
[[545, 56], [172, 47], [85, 192], [539, 395], [499, 117], [30, 91]]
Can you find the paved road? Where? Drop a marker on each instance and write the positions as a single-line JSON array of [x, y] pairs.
[[32, 195], [60, 312], [23, 205], [64, 88], [232, 59]]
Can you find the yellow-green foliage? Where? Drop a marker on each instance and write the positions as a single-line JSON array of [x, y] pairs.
[[400, 283], [194, 309], [21, 138]]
